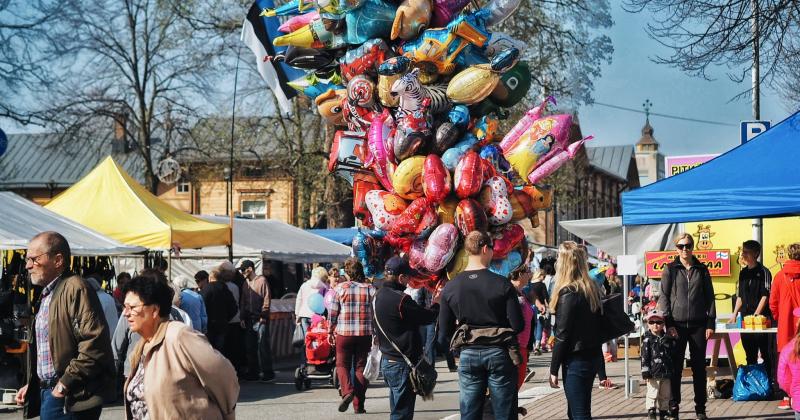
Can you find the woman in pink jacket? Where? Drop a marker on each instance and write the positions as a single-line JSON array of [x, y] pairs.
[[789, 370]]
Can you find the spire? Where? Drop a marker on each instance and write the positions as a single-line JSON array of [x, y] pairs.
[[647, 142]]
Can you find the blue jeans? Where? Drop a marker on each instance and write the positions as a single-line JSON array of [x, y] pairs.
[[427, 333], [579, 371], [492, 366], [401, 396], [52, 408], [538, 328], [259, 351]]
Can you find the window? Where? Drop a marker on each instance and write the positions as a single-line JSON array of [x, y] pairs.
[[254, 209], [184, 188]]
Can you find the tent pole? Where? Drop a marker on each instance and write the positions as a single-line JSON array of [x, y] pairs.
[[625, 306]]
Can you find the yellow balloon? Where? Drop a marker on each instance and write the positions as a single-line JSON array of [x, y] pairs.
[[407, 178], [385, 90], [458, 264], [472, 84], [447, 210]]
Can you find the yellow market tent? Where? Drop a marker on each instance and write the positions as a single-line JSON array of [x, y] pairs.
[[109, 201]]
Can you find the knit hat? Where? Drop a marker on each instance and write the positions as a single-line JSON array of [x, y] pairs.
[[655, 314]]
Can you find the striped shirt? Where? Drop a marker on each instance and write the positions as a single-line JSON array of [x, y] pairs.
[[351, 312], [44, 358]]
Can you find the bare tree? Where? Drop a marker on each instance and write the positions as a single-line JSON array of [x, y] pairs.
[[727, 34], [136, 62]]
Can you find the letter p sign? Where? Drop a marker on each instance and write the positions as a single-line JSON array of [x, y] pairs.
[[751, 129]]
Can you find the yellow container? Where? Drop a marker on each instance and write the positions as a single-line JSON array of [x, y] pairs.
[[760, 322], [748, 322]]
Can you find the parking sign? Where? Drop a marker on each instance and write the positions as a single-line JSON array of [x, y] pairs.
[[751, 129]]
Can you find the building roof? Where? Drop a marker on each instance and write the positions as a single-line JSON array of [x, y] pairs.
[[49, 161], [613, 160], [647, 135]]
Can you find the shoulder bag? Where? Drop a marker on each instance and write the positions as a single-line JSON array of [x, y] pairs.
[[422, 376]]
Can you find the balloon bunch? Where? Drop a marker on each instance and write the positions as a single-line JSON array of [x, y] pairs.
[[416, 89]]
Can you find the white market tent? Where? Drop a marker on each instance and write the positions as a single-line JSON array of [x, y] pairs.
[[22, 219]]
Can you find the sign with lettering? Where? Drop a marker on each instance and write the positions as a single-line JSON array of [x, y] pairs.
[[718, 261], [750, 129], [674, 165]]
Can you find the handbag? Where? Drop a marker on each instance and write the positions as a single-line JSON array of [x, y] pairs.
[[298, 338], [614, 322], [373, 366], [423, 375]]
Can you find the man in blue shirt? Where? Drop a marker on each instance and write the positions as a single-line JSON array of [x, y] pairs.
[[192, 302]]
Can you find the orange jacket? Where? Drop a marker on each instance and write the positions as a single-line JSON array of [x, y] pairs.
[[784, 297]]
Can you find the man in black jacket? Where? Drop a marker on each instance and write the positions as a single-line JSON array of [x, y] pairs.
[[400, 318], [687, 300], [478, 298]]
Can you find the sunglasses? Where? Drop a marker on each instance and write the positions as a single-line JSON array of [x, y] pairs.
[[685, 246], [655, 322]]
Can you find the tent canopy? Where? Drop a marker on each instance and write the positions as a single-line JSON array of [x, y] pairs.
[[111, 202], [339, 235], [23, 219], [275, 240], [756, 179]]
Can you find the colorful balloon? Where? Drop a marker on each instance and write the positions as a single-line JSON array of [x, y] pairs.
[[362, 184], [384, 207], [494, 199], [372, 20], [453, 155], [458, 263], [500, 10], [505, 266], [550, 165], [545, 137], [365, 59], [470, 216], [316, 303], [416, 254], [407, 178], [313, 35], [412, 17], [417, 220], [441, 247], [444, 10], [412, 94], [468, 175], [329, 106], [475, 83], [313, 86], [296, 22], [447, 210], [524, 123], [348, 153], [308, 58], [528, 200], [382, 125], [436, 182], [507, 238]]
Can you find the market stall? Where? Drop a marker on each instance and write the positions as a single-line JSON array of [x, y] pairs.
[[753, 180]]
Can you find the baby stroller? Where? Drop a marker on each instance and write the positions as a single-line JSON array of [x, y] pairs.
[[320, 358]]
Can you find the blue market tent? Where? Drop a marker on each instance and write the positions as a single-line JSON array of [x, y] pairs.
[[756, 179], [340, 235]]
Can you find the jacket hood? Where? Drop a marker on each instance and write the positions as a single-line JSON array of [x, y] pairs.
[[316, 283], [791, 269]]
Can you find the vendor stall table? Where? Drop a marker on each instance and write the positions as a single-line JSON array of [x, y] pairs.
[[722, 335]]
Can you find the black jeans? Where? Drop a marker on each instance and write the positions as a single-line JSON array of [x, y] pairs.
[[258, 350], [752, 343], [695, 337]]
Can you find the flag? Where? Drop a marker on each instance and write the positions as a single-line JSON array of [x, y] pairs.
[[258, 33]]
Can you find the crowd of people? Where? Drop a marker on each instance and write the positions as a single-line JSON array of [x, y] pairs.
[[182, 346]]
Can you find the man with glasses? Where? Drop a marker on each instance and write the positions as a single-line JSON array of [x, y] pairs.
[[70, 346], [687, 300], [482, 301]]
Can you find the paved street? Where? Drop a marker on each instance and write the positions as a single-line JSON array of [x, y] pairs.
[[281, 401]]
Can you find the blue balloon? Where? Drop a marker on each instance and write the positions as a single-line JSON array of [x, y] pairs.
[[316, 303], [597, 275], [505, 266], [452, 155]]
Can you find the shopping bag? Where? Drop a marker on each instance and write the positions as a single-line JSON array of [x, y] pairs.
[[614, 322], [752, 383], [373, 366], [298, 338]]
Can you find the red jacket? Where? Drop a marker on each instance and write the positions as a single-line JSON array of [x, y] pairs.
[[784, 297]]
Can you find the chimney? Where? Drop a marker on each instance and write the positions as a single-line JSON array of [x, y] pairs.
[[120, 142]]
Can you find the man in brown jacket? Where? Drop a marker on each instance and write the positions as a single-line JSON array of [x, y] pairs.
[[254, 308], [70, 359]]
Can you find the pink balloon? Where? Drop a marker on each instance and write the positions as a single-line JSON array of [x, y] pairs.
[[296, 22], [382, 124], [549, 166], [445, 10], [416, 254], [441, 247], [524, 123]]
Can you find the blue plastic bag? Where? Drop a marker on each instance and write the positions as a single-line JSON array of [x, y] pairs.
[[752, 383]]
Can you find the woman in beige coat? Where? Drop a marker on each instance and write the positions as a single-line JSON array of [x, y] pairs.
[[175, 373]]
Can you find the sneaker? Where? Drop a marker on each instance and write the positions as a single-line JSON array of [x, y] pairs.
[[268, 378], [607, 384], [673, 413], [663, 415], [522, 411], [537, 352], [651, 414], [701, 416], [359, 411], [785, 404], [346, 400], [529, 376]]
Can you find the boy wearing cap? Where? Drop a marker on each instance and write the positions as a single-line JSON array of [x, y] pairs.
[[657, 366]]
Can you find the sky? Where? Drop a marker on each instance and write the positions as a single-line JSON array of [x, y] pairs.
[[632, 77]]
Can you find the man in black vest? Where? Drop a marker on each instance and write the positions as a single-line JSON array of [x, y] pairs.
[[400, 318]]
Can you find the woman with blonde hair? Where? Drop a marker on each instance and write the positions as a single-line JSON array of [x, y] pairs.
[[577, 305], [317, 284]]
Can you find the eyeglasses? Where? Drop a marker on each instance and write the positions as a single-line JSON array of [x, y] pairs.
[[655, 322], [133, 309], [687, 247], [35, 260]]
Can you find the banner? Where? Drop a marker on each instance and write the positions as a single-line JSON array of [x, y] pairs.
[[718, 261], [673, 165]]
